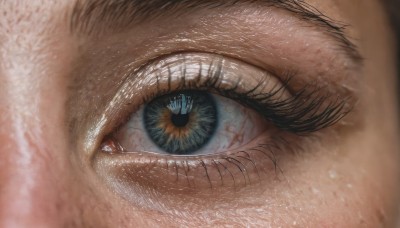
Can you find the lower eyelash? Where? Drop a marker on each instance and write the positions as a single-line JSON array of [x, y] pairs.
[[233, 170]]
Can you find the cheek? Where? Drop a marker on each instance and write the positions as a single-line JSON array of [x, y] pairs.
[[346, 188]]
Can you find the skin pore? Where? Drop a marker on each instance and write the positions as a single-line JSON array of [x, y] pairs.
[[71, 80]]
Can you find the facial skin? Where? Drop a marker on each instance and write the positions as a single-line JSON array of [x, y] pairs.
[[61, 96]]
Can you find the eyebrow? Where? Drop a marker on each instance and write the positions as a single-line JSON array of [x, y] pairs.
[[94, 16]]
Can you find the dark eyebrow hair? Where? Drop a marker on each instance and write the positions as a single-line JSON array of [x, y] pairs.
[[94, 16]]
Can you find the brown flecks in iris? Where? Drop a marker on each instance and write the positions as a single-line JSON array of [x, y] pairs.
[[173, 131]]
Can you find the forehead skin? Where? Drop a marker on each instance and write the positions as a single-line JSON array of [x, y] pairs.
[[45, 183]]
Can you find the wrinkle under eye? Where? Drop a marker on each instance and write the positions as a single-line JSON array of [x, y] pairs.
[[181, 123]]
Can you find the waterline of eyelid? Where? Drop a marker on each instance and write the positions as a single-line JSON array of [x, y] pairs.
[[230, 170]]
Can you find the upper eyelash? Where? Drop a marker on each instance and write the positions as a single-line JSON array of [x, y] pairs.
[[301, 113]]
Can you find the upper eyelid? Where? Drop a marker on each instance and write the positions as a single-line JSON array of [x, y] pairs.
[[277, 94], [130, 61], [92, 17]]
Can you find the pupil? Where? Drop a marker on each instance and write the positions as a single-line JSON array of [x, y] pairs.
[[180, 120]]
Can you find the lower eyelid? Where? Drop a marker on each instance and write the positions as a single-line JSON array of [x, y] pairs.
[[225, 172]]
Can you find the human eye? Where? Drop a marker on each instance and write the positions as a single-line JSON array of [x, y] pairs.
[[182, 113], [195, 122]]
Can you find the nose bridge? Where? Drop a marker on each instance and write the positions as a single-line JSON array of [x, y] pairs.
[[29, 182], [34, 177], [33, 162]]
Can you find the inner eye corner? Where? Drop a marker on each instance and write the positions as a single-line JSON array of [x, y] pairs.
[[110, 145]]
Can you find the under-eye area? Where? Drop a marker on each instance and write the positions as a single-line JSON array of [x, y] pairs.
[[203, 122]]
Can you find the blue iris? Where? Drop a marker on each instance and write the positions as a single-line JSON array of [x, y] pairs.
[[181, 123]]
